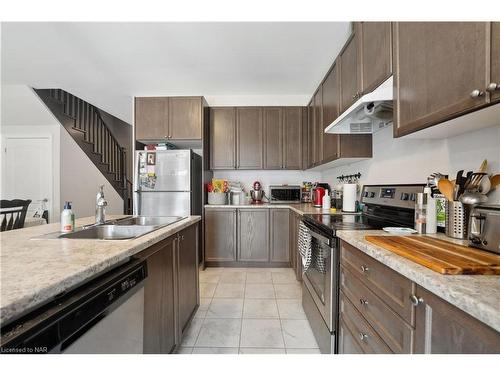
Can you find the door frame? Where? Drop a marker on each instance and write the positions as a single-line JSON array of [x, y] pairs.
[[5, 137]]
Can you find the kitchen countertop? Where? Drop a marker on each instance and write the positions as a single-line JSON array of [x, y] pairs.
[[300, 208], [33, 271], [477, 295]]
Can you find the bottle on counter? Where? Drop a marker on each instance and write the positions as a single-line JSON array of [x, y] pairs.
[[421, 213], [67, 219], [327, 202]]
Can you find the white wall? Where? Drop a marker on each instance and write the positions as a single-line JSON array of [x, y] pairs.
[[75, 177], [52, 132], [80, 181], [267, 178], [400, 160]]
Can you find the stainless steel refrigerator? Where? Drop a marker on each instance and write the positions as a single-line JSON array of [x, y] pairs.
[[168, 183]]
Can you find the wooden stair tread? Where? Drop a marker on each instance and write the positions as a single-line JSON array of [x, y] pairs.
[[439, 255]]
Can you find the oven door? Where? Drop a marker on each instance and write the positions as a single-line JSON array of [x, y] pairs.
[[321, 275]]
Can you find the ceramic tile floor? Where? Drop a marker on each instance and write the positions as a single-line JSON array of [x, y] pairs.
[[249, 311]]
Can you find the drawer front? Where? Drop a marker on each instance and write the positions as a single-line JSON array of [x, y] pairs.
[[347, 341], [393, 288], [364, 335], [396, 333]]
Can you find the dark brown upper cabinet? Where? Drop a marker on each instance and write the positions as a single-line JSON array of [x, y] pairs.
[[282, 137], [249, 138], [169, 118], [151, 118], [311, 145], [318, 125], [273, 137], [376, 54], [494, 85], [257, 137], [331, 101], [292, 137], [185, 117], [350, 76], [305, 137], [223, 138], [440, 71]]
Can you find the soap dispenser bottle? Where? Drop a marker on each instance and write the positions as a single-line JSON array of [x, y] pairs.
[[67, 219]]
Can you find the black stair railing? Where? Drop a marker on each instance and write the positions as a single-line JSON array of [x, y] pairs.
[[84, 122]]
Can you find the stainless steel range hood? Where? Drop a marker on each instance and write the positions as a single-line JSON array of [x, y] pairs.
[[372, 112]]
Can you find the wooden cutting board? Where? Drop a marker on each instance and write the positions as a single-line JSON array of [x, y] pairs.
[[439, 255]]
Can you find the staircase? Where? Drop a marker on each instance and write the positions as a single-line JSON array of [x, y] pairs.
[[84, 123]]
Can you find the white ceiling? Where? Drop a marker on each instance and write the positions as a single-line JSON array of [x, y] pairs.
[[109, 63]]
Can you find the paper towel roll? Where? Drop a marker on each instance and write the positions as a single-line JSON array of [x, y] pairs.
[[349, 198]]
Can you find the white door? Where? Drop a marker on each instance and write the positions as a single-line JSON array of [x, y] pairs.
[[27, 171]]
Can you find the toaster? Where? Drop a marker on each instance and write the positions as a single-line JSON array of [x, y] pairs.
[[484, 228]]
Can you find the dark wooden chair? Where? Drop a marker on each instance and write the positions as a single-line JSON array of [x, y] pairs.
[[14, 213]]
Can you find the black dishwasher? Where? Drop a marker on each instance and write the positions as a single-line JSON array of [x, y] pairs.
[[104, 315]]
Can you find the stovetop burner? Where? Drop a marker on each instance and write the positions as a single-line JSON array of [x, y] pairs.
[[331, 223], [384, 205]]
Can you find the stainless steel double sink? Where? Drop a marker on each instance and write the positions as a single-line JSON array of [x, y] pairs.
[[122, 229]]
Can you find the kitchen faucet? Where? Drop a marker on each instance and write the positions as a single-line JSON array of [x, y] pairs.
[[100, 207]]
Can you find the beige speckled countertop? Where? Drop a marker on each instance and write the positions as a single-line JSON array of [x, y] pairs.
[[300, 208], [477, 295], [33, 271]]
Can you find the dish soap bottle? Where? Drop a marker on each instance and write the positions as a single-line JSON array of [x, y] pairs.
[[67, 219], [327, 202]]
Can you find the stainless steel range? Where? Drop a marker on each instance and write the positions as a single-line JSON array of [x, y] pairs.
[[384, 205]]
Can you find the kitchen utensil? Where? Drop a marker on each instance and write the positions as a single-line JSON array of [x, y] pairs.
[[460, 183], [483, 166], [484, 185], [474, 181], [457, 220], [434, 178], [495, 181], [439, 255], [473, 198], [446, 187]]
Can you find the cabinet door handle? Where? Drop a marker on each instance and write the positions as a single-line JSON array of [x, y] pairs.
[[415, 300], [363, 336], [364, 268], [363, 301], [493, 87], [476, 93]]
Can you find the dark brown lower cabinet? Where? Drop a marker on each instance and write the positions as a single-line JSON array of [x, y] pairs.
[[441, 328], [171, 294], [381, 311], [220, 235], [187, 265], [347, 342], [280, 234], [246, 237], [253, 235], [159, 299]]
